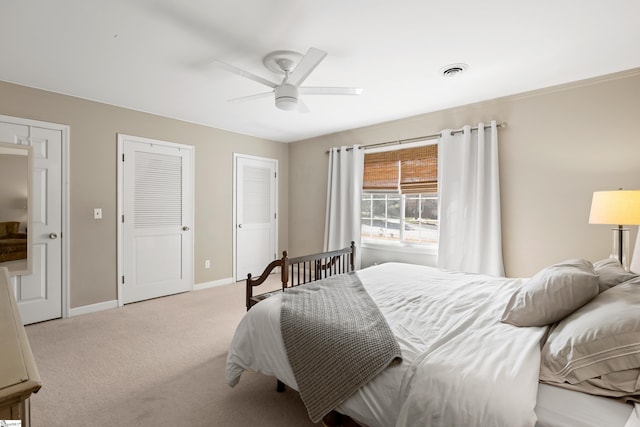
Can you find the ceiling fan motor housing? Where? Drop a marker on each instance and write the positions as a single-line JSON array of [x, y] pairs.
[[286, 97]]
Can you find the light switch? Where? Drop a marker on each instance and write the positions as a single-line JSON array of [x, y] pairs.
[[97, 213]]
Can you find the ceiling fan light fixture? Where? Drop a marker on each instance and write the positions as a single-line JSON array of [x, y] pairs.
[[287, 104], [286, 97]]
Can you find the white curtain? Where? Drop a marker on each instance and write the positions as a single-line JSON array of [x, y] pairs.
[[470, 232], [344, 193]]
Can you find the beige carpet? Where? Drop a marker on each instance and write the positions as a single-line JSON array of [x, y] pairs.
[[154, 363]]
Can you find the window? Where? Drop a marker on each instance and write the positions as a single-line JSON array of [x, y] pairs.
[[400, 196]]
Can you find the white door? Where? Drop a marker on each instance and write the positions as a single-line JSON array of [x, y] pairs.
[[39, 294], [255, 214], [156, 251]]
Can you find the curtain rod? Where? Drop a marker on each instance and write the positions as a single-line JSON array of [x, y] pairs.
[[418, 138]]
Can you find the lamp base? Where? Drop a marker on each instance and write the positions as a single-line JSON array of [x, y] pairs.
[[620, 247]]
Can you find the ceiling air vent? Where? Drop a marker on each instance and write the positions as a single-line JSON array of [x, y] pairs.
[[454, 69]]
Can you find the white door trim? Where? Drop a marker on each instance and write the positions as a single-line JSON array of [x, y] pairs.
[[235, 199], [64, 170], [120, 207]]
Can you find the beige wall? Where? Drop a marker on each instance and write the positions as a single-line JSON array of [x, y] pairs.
[[93, 170], [561, 144]]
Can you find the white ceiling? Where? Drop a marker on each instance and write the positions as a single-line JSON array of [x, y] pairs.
[[157, 55]]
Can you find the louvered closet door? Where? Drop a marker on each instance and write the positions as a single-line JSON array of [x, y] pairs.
[[157, 248], [256, 201]]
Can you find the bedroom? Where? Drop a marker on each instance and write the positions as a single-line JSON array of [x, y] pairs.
[[560, 145]]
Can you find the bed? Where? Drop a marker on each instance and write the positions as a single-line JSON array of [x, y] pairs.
[[464, 359]]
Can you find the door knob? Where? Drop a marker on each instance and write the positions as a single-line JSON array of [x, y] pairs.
[[53, 236], [239, 225], [185, 228]]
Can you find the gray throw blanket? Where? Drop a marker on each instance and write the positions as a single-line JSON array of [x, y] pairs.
[[336, 340]]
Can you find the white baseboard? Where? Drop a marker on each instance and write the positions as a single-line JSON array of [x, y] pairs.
[[92, 308], [213, 284]]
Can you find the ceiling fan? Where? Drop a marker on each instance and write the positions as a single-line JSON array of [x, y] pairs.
[[296, 68]]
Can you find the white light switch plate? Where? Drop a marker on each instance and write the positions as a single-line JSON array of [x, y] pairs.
[[97, 213]]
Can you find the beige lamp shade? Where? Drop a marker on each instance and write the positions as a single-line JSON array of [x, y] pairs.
[[620, 207]]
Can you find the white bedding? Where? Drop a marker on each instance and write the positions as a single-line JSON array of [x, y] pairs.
[[461, 366], [560, 407]]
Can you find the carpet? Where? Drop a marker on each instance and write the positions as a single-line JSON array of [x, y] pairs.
[[156, 362]]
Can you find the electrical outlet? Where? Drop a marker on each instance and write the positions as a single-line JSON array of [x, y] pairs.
[[207, 263]]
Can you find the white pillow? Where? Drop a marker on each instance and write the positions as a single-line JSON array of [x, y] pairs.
[[597, 348], [552, 294], [611, 273]]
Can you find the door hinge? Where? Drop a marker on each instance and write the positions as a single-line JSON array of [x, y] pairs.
[[123, 218], [275, 174], [275, 216], [123, 280]]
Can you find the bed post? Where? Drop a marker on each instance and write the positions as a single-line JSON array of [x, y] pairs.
[[284, 278], [249, 292], [284, 273], [352, 257]]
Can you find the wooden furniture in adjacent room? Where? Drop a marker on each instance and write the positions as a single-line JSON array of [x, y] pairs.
[[13, 244], [18, 372]]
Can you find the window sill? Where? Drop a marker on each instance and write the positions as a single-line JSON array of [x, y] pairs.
[[401, 247]]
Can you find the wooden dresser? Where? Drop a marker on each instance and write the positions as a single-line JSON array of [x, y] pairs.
[[18, 372]]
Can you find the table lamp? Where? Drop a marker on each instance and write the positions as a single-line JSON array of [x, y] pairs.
[[621, 207], [635, 259]]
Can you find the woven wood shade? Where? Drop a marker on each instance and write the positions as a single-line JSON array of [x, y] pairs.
[[408, 171], [381, 172]]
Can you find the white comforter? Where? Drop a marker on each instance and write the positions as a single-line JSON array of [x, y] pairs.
[[461, 367]]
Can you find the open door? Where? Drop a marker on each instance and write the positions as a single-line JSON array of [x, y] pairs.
[[39, 293]]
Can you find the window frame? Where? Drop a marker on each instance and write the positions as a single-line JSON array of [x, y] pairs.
[[400, 245]]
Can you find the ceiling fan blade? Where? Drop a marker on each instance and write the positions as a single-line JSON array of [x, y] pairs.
[[310, 90], [251, 97], [302, 107], [246, 74], [307, 64]]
